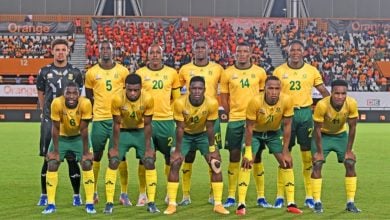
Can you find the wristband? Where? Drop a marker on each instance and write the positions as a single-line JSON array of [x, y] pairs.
[[211, 148]]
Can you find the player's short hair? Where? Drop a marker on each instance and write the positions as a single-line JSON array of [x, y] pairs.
[[296, 42], [72, 84], [59, 41], [197, 79], [155, 45], [200, 40], [339, 82], [133, 79], [271, 77], [244, 44], [106, 42]]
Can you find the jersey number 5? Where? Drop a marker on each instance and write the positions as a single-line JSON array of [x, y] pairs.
[[108, 85]]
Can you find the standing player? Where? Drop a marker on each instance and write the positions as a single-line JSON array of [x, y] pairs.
[[162, 82], [132, 112], [211, 72], [195, 115], [70, 115], [264, 116], [298, 79], [239, 84], [51, 80], [330, 134], [103, 81]]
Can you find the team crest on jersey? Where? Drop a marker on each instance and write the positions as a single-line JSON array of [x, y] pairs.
[[50, 75], [116, 75], [295, 73], [165, 77], [234, 76], [253, 75], [210, 72], [70, 76], [304, 76], [204, 112], [285, 76], [278, 109]]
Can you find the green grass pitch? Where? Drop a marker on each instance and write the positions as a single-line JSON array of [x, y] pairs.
[[20, 182]]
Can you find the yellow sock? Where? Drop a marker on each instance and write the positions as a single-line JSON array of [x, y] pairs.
[[96, 169], [233, 171], [51, 186], [280, 184], [123, 175], [258, 174], [110, 184], [166, 170], [217, 189], [316, 185], [151, 183], [244, 177], [172, 192], [289, 184], [88, 186], [350, 188], [141, 179], [186, 179], [306, 171]]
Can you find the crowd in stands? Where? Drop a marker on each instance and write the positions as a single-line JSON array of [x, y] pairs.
[[348, 56], [131, 43], [29, 46]]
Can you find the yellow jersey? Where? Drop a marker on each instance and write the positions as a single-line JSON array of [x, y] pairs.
[[195, 117], [70, 118], [159, 84], [242, 85], [105, 84], [299, 83], [211, 73], [132, 113], [334, 122], [269, 117]]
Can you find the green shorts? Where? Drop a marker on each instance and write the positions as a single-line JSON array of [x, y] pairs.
[[195, 141], [302, 127], [69, 146], [164, 136], [129, 138], [332, 142], [101, 131], [217, 136], [271, 139], [235, 132]]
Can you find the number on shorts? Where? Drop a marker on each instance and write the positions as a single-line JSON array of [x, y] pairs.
[[170, 141]]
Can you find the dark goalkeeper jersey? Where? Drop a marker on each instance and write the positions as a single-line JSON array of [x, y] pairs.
[[52, 80]]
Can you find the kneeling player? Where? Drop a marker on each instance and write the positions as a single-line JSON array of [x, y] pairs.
[[70, 115], [265, 114], [195, 115], [132, 115], [330, 134]]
